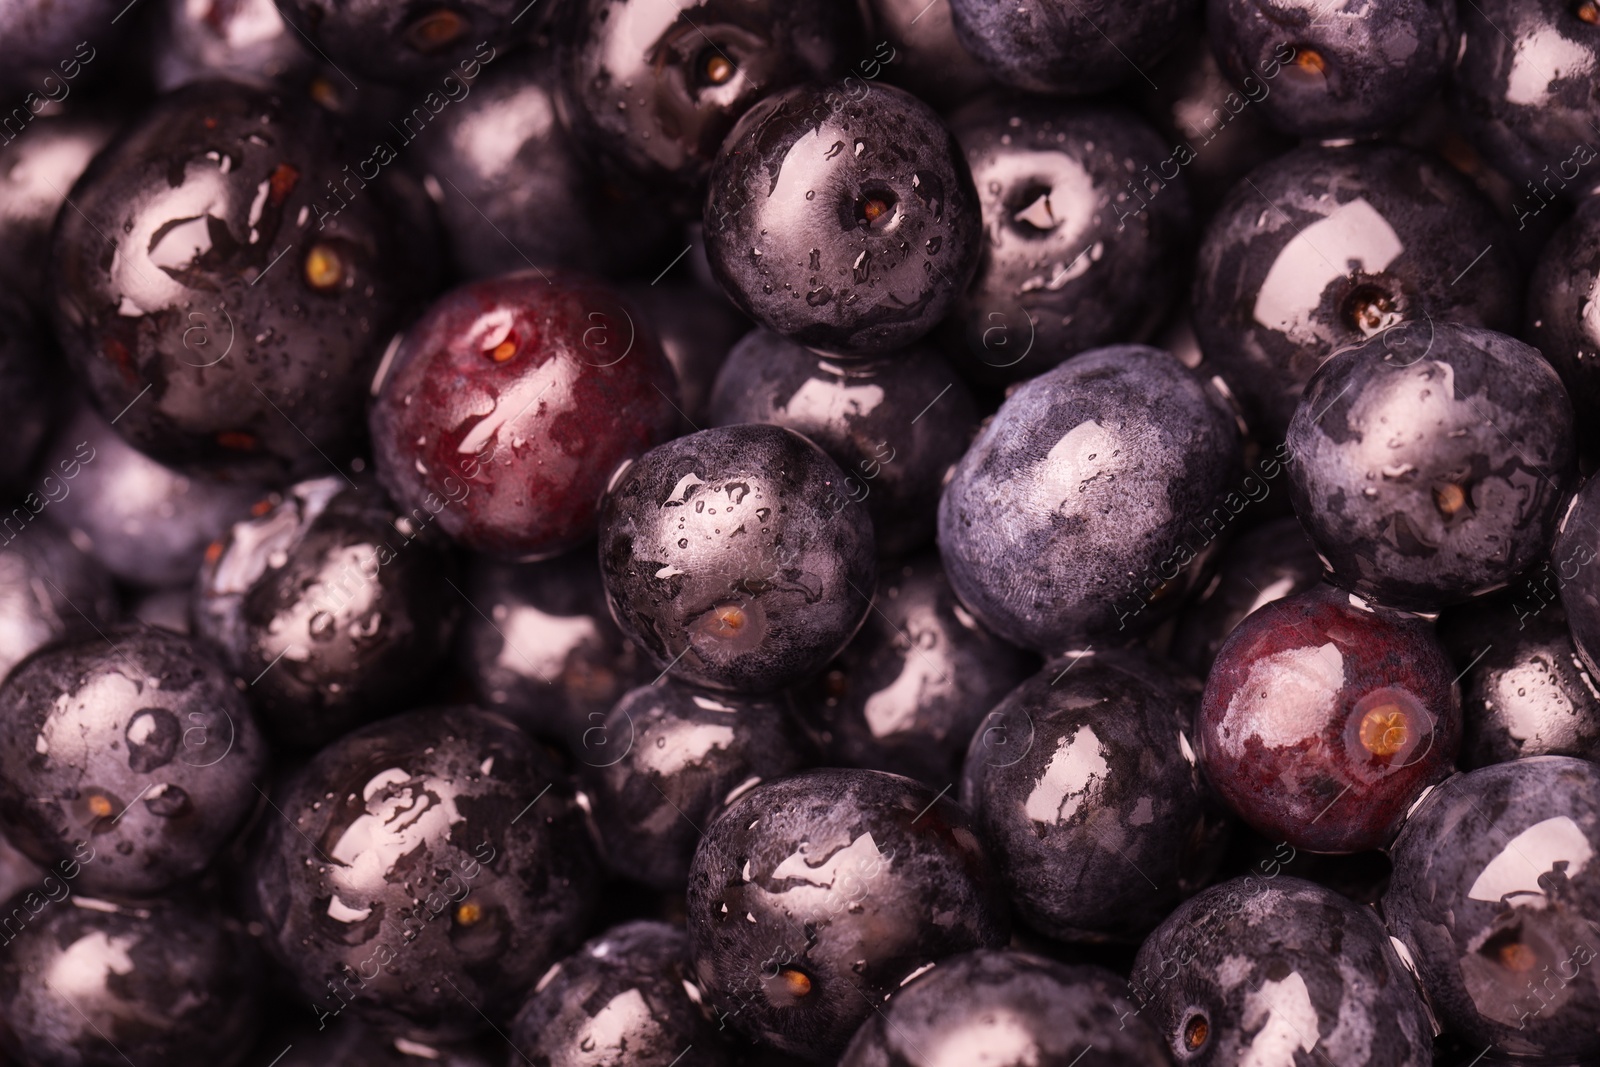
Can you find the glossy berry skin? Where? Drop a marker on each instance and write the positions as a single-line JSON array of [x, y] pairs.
[[244, 40], [697, 328], [510, 402], [894, 425], [1560, 320], [514, 185], [1576, 545], [1086, 230], [1394, 228], [1492, 893], [49, 589], [1324, 718], [734, 558], [145, 522], [1269, 563], [336, 607], [907, 694], [136, 744], [36, 172], [170, 982], [407, 44], [1056, 46], [396, 866], [1025, 1008], [843, 216], [623, 998], [545, 652], [1279, 970], [1083, 782], [252, 368], [1429, 469], [1524, 84], [667, 758], [811, 899], [1336, 75], [1083, 485], [1524, 690], [657, 85]]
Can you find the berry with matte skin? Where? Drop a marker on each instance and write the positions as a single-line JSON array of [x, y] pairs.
[[514, 186], [1084, 785], [403, 43], [1008, 1008], [1328, 246], [1269, 563], [332, 604], [666, 760], [136, 743], [1494, 894], [1524, 690], [1279, 971], [395, 883], [1429, 469], [1561, 320], [1325, 717], [544, 652], [656, 85], [1086, 227], [145, 522], [735, 558], [1059, 46], [909, 692], [1524, 85], [1344, 75], [843, 217], [88, 984], [625, 997], [1069, 519], [510, 402], [895, 425], [813, 898], [210, 351]]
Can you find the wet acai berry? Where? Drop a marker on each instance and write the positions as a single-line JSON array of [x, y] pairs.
[[1524, 689], [244, 40], [813, 898], [1316, 75], [134, 745], [1074, 516], [1279, 971], [1086, 226], [1494, 892], [85, 983], [1431, 471], [1328, 246], [1325, 717], [234, 324], [909, 691], [1561, 320], [626, 997], [1058, 46], [656, 85], [1083, 782], [510, 402], [1577, 576], [843, 216], [1269, 563], [735, 557], [540, 647], [1012, 1008], [896, 425], [666, 760], [333, 606], [419, 861]]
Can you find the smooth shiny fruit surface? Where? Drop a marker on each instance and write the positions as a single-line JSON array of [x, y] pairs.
[[1325, 717], [735, 558]]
